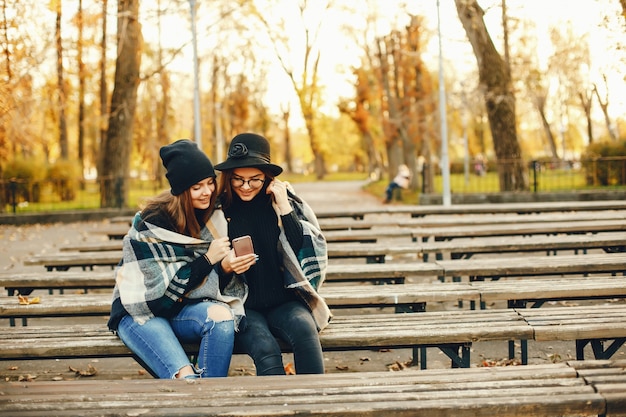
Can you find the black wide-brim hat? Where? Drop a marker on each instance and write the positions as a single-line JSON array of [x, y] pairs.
[[249, 150]]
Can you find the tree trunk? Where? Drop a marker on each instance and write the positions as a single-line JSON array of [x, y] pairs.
[[540, 103], [604, 105], [118, 145], [499, 97], [585, 102], [81, 91], [61, 86], [286, 114], [103, 92]]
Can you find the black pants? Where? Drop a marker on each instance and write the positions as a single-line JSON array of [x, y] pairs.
[[293, 323]]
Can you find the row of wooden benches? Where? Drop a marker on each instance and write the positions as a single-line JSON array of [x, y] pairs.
[[420, 233], [533, 292], [543, 207], [580, 388], [378, 252], [474, 269], [453, 332], [437, 220]]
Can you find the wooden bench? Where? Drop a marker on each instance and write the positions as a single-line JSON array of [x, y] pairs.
[[402, 297], [520, 266], [423, 234], [360, 235], [551, 244], [491, 208], [459, 209], [458, 248], [594, 325], [63, 279], [512, 229], [532, 390], [436, 220], [475, 269], [608, 378], [453, 332], [535, 292]]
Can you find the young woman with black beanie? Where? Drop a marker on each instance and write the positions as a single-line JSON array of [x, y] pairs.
[[175, 282]]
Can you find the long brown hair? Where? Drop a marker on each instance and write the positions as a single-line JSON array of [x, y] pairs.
[[225, 189], [180, 210]]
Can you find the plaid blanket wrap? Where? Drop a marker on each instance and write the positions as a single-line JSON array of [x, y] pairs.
[[305, 271], [151, 267]]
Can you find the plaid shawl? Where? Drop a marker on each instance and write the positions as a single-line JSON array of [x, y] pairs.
[[154, 265], [305, 271]]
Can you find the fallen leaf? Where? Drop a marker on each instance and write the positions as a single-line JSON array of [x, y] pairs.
[[90, 371], [342, 367], [289, 369], [22, 300]]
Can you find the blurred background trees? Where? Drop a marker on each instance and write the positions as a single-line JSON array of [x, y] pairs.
[[93, 88]]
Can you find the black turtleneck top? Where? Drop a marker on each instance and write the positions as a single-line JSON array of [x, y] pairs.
[[258, 219]]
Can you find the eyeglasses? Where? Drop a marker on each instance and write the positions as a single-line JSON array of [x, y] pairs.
[[253, 183]]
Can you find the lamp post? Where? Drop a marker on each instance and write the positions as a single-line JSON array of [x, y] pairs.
[[196, 83], [445, 167]]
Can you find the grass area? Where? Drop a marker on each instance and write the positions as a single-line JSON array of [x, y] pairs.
[[88, 197], [549, 180]]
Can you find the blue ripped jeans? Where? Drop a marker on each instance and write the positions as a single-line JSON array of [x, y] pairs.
[[158, 341], [293, 323]]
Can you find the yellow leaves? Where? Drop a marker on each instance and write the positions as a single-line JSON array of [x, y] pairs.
[[289, 369], [23, 300]]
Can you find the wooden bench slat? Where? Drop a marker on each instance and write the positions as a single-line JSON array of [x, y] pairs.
[[432, 220], [577, 322], [492, 208], [527, 289], [553, 389], [537, 265], [357, 333], [378, 251]]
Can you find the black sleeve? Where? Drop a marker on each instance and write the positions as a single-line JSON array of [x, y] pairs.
[[293, 230]]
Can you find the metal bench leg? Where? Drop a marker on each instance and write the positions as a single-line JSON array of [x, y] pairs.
[[459, 354], [599, 351], [419, 356], [580, 348], [524, 348]]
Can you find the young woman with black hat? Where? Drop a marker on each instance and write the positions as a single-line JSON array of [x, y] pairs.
[[171, 285], [292, 259]]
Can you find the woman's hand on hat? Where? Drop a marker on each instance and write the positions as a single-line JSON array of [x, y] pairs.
[[218, 249], [238, 264], [278, 189]]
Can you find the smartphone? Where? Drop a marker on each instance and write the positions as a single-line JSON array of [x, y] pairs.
[[243, 245]]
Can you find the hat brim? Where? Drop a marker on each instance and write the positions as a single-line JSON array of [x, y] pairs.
[[232, 163]]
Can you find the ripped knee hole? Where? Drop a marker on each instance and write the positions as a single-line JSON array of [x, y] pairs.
[[219, 313]]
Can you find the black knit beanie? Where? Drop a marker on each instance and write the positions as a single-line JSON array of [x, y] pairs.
[[186, 165]]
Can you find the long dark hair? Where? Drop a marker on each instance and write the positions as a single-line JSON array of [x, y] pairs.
[[179, 209], [225, 189]]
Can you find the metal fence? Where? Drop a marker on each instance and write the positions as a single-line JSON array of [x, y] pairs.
[[21, 196], [543, 175]]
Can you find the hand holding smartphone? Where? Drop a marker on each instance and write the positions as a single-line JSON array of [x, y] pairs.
[[243, 245]]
